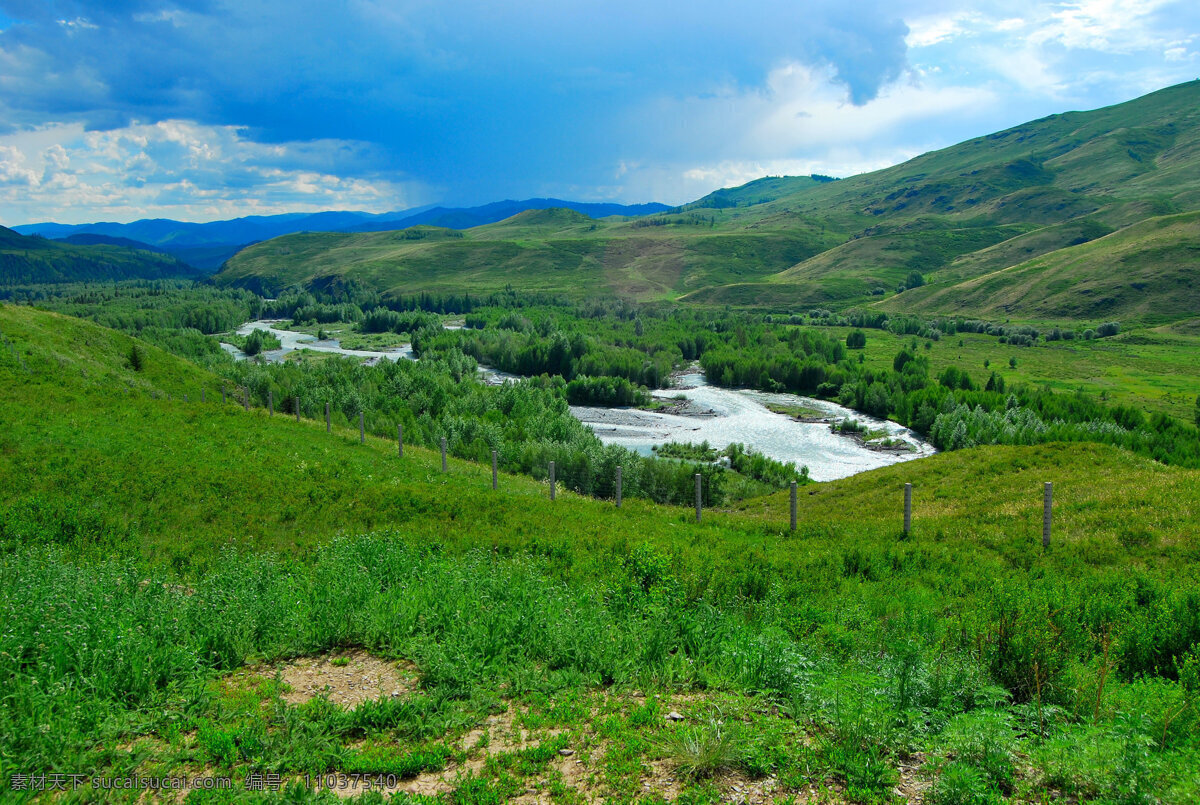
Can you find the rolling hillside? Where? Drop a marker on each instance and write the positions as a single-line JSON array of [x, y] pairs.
[[207, 245], [159, 555], [27, 260], [179, 476], [1069, 194]]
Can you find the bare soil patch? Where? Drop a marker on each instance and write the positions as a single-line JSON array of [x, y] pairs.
[[348, 678]]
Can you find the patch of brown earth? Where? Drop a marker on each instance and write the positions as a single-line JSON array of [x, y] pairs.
[[913, 784], [504, 736], [349, 678]]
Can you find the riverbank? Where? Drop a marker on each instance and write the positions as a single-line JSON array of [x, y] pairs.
[[695, 411]]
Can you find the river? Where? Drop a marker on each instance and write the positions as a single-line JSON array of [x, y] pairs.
[[293, 341], [719, 416]]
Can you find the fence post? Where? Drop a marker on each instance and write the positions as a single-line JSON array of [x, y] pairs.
[[494, 479], [222, 392], [270, 402], [1047, 507], [362, 428], [907, 508], [201, 395], [246, 397], [185, 399], [618, 486], [400, 439], [443, 454], [296, 405], [328, 421], [697, 497], [793, 505], [552, 480]]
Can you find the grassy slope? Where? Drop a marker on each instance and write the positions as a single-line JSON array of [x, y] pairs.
[[1150, 369], [576, 258], [955, 214], [106, 673], [181, 478], [1147, 270]]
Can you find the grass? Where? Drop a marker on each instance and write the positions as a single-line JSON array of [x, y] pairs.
[[153, 550], [1151, 369], [1142, 272]]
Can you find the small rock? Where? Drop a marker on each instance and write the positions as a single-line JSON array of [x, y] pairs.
[[566, 752], [674, 716]]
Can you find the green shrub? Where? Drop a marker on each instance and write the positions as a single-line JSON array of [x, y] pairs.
[[960, 783]]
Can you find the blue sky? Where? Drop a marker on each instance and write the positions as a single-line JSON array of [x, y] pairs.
[[206, 109]]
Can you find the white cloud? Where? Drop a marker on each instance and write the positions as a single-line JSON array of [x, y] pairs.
[[800, 121], [181, 169], [1110, 26], [14, 171]]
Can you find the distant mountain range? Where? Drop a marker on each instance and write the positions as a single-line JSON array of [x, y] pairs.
[[208, 245]]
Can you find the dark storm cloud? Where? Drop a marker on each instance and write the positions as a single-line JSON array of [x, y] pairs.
[[468, 96]]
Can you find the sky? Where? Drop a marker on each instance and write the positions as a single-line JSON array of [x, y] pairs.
[[206, 109]]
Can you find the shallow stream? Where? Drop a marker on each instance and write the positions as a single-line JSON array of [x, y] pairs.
[[719, 416]]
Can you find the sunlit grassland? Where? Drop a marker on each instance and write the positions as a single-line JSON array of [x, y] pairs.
[[133, 579], [182, 477], [1152, 369]]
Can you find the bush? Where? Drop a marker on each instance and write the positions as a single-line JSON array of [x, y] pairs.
[[260, 340], [856, 339], [963, 784]]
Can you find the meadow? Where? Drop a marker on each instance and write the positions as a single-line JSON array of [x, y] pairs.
[[1151, 368], [167, 563]]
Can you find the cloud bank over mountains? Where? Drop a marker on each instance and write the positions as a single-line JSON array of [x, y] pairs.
[[205, 109]]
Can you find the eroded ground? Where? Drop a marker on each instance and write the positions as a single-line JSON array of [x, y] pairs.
[[348, 725]]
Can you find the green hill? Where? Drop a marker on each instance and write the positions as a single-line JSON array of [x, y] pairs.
[[166, 565], [75, 399], [27, 260], [1149, 270], [1039, 190]]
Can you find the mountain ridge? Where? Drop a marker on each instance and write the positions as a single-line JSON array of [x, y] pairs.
[[943, 218], [207, 245], [32, 259]]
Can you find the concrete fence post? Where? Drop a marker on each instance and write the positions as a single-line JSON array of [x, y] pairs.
[[698, 497], [443, 454], [618, 486], [270, 402], [185, 399], [1047, 508], [362, 428], [296, 405], [907, 509], [328, 420], [222, 392], [400, 440], [793, 505], [552, 480], [202, 395], [495, 479], [246, 397]]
